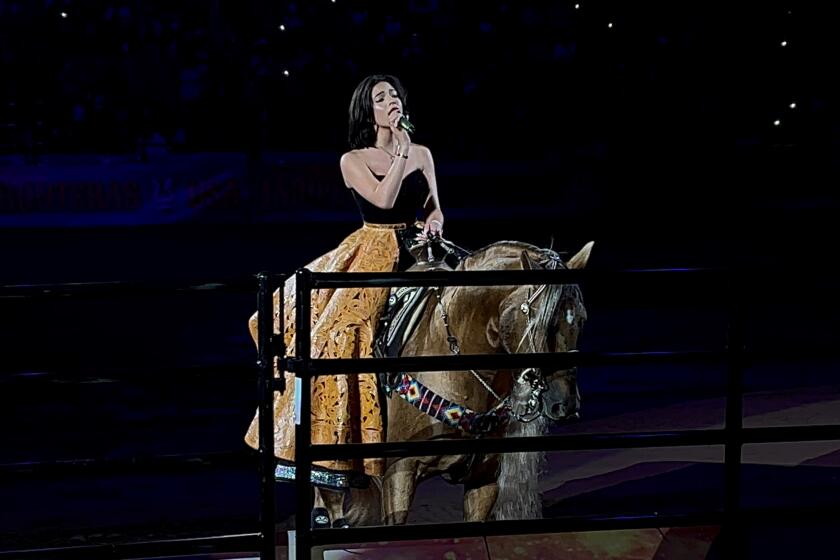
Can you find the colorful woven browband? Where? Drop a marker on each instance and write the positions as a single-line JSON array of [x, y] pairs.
[[448, 412]]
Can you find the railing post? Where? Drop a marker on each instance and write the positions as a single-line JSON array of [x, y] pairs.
[[732, 530], [265, 364], [303, 429]]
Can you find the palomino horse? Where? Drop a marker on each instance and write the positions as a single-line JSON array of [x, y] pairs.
[[482, 320]]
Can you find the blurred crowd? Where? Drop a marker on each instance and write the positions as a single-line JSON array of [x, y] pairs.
[[133, 76]]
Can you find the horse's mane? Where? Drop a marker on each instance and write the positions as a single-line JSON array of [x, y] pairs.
[[507, 254], [477, 260], [519, 494]]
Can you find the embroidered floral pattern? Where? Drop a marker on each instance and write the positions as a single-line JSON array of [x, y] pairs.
[[345, 408]]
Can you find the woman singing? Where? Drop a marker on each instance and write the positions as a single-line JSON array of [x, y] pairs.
[[391, 180]]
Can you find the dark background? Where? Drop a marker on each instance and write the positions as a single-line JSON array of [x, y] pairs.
[[655, 137]]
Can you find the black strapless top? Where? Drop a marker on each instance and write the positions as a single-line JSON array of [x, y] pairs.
[[411, 198]]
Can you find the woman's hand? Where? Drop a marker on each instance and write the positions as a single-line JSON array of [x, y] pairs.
[[400, 135], [433, 226]]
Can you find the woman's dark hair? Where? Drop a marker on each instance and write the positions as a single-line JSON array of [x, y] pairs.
[[362, 133]]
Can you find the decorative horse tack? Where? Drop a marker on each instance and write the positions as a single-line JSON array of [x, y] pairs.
[[450, 413], [460, 416], [503, 486]]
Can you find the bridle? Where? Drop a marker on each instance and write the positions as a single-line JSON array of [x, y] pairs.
[[534, 406]]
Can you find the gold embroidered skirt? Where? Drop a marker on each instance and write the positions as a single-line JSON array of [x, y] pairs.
[[345, 408]]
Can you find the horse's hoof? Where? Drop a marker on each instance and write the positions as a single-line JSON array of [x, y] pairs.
[[341, 524], [320, 518]]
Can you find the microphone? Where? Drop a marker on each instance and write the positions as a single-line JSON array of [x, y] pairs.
[[405, 124]]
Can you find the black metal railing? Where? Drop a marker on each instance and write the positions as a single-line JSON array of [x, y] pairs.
[[141, 464], [732, 437], [122, 289], [141, 549]]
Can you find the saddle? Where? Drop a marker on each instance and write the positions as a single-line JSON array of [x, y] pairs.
[[406, 304], [402, 314]]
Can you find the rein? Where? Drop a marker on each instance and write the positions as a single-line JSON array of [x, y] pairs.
[[462, 417]]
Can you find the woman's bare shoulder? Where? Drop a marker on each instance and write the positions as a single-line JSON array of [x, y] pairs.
[[353, 157]]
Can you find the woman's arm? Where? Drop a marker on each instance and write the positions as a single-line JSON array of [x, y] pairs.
[[358, 176], [434, 214]]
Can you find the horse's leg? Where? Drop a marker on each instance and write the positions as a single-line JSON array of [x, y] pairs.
[[479, 501], [330, 500], [333, 500], [398, 488], [317, 504], [481, 490]]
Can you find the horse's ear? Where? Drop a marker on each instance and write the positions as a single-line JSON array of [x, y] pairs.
[[527, 263], [580, 260]]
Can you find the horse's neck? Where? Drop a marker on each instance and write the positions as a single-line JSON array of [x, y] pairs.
[[473, 315], [502, 255], [475, 309], [471, 312]]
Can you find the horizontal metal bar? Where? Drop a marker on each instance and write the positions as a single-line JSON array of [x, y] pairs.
[[556, 360], [142, 373], [130, 465], [244, 542], [573, 442], [774, 516], [124, 289], [790, 434], [99, 373], [510, 527], [379, 279], [501, 277], [556, 442], [758, 356]]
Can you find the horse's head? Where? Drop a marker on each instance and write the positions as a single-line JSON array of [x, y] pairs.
[[544, 318]]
